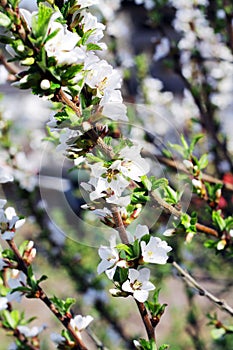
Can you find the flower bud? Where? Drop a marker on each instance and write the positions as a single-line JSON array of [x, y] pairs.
[[197, 184], [20, 48], [45, 84], [117, 293], [221, 244], [188, 164], [218, 193]]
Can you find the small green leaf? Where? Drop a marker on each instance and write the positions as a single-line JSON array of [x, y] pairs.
[[158, 183], [203, 161], [218, 220], [184, 142], [40, 22], [194, 141], [146, 182], [93, 47], [124, 247]]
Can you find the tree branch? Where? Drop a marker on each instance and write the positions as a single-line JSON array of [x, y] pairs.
[[40, 294], [202, 291], [202, 228]]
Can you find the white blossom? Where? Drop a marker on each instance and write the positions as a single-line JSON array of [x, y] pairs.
[[140, 231], [162, 49], [5, 176], [138, 284], [57, 338], [63, 45], [110, 258], [85, 3], [113, 107], [79, 322], [155, 251], [30, 332], [3, 303], [3, 74], [18, 280]]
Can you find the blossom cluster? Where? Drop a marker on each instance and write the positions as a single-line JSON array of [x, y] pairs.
[[143, 248]]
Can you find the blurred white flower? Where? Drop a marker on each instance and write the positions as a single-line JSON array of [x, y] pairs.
[[3, 74], [3, 303], [18, 280], [162, 49], [30, 332], [5, 176], [79, 322], [138, 284], [57, 338]]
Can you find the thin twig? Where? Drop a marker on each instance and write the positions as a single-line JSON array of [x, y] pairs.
[[146, 320], [202, 291], [202, 228], [96, 340], [179, 166], [40, 294], [119, 225]]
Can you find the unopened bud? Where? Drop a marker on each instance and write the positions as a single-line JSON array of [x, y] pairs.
[[169, 232], [117, 293], [45, 84], [20, 48], [30, 245], [188, 164], [221, 244], [218, 193], [197, 184]]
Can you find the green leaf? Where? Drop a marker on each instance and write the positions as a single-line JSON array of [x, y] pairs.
[[93, 47], [136, 248], [124, 247], [5, 39], [40, 22], [86, 36], [71, 71], [14, 3], [164, 346], [218, 220], [11, 318], [217, 333], [158, 183], [194, 141], [146, 182], [63, 305], [203, 161], [4, 20], [184, 142]]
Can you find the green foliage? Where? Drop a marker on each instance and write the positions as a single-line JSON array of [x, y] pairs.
[[156, 309], [40, 23], [218, 219], [171, 196], [63, 305]]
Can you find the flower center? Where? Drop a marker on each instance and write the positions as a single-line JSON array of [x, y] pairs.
[[136, 285]]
